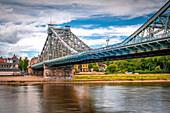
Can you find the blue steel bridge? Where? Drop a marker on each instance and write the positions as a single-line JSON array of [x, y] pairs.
[[63, 48]]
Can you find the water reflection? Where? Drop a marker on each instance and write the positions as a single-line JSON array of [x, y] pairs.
[[66, 98], [88, 98], [19, 99]]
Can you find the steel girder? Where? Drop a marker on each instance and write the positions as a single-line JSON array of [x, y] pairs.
[[158, 26]]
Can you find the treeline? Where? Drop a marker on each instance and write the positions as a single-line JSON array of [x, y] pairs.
[[23, 64], [160, 64]]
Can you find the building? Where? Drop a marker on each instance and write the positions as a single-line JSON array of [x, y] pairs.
[[102, 67], [9, 66], [81, 68]]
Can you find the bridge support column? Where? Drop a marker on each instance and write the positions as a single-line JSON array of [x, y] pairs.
[[47, 70], [38, 72], [66, 71], [30, 71]]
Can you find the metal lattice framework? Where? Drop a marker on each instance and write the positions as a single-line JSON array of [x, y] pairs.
[[61, 42], [157, 26]]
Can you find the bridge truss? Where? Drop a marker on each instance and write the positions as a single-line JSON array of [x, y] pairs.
[[157, 26], [61, 42]]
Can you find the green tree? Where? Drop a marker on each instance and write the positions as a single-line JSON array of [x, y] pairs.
[[96, 68], [112, 68], [90, 65], [25, 64], [21, 64]]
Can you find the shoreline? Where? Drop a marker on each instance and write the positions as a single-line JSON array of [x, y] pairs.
[[82, 82], [23, 80]]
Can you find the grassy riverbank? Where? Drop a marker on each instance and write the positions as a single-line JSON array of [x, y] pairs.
[[123, 77], [109, 78]]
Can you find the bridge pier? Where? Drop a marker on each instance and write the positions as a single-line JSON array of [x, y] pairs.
[[38, 72], [66, 71]]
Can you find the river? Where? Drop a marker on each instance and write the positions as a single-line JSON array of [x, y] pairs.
[[86, 98]]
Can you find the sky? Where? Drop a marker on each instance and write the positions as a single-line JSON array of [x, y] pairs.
[[23, 23]]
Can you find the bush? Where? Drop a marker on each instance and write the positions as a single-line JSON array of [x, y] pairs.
[[148, 72]]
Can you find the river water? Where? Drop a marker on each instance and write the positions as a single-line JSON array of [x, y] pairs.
[[86, 98]]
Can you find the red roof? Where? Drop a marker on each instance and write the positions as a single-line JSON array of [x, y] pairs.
[[1, 60], [14, 57]]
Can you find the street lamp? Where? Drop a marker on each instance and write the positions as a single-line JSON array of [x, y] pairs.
[[107, 41]]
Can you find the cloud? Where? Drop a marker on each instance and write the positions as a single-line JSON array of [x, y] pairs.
[[84, 8], [94, 42], [106, 31], [67, 10], [12, 33]]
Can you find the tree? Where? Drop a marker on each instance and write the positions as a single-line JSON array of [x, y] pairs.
[[90, 65], [96, 68], [112, 68], [21, 64], [25, 64]]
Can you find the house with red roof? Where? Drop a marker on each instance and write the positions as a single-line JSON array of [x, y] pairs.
[[9, 66]]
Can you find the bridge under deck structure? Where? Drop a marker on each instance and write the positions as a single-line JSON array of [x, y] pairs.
[[63, 49]]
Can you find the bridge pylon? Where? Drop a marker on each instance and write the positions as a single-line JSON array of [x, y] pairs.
[[61, 42]]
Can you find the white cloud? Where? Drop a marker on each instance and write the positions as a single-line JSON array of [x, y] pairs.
[[87, 26], [33, 43], [10, 10], [108, 31], [130, 8], [92, 42]]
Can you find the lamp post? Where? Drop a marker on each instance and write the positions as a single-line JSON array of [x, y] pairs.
[[107, 41]]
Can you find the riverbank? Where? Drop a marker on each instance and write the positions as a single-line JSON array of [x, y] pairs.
[[123, 77], [113, 78]]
